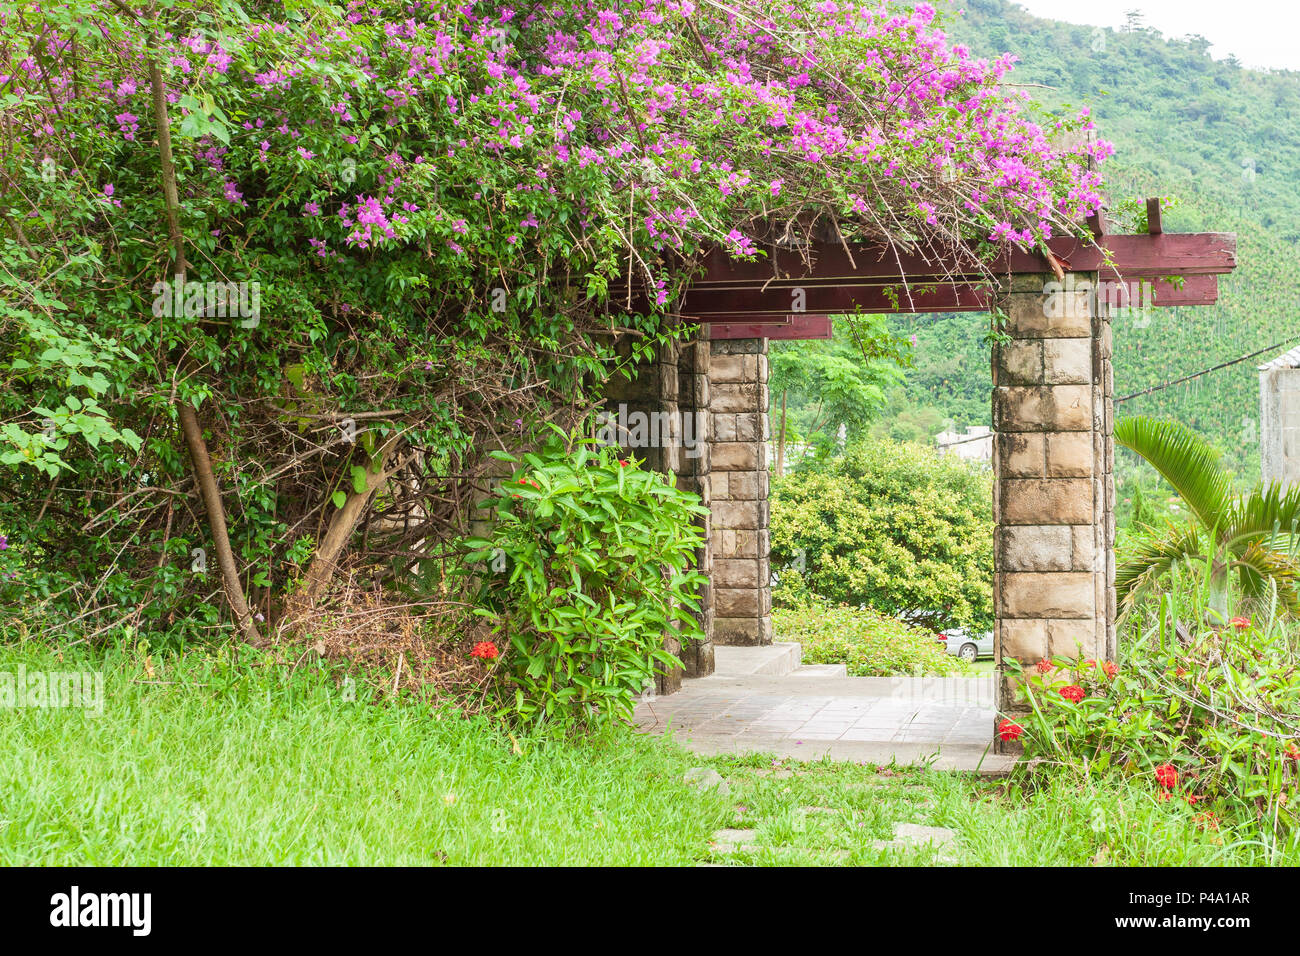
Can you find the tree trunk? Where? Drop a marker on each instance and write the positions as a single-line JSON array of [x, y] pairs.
[[335, 540], [216, 520], [189, 420]]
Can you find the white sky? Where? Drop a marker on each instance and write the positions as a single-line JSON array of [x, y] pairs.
[[1261, 33]]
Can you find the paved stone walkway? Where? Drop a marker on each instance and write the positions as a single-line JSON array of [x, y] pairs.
[[806, 714]]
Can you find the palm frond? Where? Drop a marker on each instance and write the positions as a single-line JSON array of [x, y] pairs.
[[1152, 558], [1186, 460], [1267, 512], [1261, 568]]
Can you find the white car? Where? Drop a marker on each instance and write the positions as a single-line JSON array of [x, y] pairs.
[[967, 646]]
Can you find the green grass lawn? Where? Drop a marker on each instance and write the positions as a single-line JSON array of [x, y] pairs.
[[211, 763]]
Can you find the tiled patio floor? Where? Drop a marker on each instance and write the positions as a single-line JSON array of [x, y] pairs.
[[946, 721]]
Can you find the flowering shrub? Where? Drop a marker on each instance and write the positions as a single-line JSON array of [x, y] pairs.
[[586, 571], [441, 206], [1212, 718]]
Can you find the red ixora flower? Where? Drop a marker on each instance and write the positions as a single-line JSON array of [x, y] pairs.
[[1109, 668], [1074, 692], [485, 649], [1240, 623], [622, 462], [1010, 730], [1043, 666], [1167, 776], [1293, 751]]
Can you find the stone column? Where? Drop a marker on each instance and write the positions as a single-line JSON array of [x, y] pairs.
[[693, 469], [664, 419], [742, 593], [1054, 496]]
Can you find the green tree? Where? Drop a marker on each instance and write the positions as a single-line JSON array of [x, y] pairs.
[[893, 526], [822, 384]]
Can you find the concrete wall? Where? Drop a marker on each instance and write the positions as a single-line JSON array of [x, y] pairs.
[[1279, 424], [1054, 490]]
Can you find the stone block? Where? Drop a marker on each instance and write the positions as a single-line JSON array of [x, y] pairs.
[[724, 427], [727, 397], [1083, 548], [737, 573], [743, 485], [1035, 548], [739, 456], [1073, 638], [734, 368], [1062, 594], [668, 380], [738, 602], [1070, 454], [1067, 361], [1022, 408], [1044, 317], [1020, 363], [699, 659], [1045, 500], [1025, 640], [738, 346], [1020, 454], [749, 426], [1029, 282], [747, 631], [737, 515]]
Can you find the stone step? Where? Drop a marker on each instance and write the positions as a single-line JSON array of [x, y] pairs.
[[977, 691], [821, 670], [770, 660]]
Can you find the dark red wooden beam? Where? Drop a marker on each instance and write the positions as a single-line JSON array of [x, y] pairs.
[[801, 327], [738, 305], [1154, 226], [831, 299], [1200, 253]]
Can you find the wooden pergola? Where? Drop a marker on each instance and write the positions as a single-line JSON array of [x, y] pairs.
[[1052, 409], [743, 299]]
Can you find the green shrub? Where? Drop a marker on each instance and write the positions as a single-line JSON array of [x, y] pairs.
[[1208, 716], [588, 568], [892, 526], [870, 644]]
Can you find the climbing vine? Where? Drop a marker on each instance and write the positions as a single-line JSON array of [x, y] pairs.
[[366, 243]]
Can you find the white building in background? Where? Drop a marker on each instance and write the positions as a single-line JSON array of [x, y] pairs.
[[975, 445], [1279, 419]]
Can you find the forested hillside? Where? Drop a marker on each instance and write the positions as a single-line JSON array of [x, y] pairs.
[[1227, 153]]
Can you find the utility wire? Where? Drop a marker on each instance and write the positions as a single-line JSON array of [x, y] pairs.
[[1207, 371], [1154, 388]]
